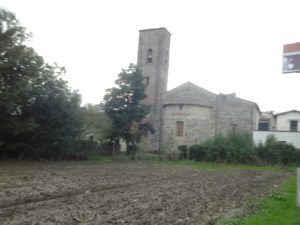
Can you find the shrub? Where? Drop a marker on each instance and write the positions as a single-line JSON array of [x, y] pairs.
[[197, 152], [274, 151], [234, 148], [241, 148], [183, 151], [216, 148], [286, 153], [82, 149], [269, 150]]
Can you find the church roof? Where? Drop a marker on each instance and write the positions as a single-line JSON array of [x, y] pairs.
[[189, 93]]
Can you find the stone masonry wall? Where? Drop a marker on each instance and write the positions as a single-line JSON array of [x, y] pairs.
[[233, 114], [198, 123], [156, 71]]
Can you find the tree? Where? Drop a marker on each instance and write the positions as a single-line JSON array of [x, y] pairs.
[[39, 114], [122, 105], [55, 112], [97, 125]]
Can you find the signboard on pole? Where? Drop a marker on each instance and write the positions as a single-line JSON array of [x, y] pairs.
[[291, 58]]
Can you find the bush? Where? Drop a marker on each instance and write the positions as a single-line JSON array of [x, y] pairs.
[[239, 148], [216, 148], [286, 153], [242, 148], [274, 151], [268, 150], [82, 149], [197, 152], [234, 148], [183, 151]]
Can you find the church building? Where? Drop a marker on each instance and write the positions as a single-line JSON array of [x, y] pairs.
[[187, 114]]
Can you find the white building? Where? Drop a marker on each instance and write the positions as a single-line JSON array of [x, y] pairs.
[[283, 126], [287, 121]]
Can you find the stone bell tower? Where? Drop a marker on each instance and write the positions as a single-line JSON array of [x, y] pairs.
[[153, 61]]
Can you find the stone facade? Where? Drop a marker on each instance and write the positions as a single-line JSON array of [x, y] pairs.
[[204, 114], [198, 123], [187, 114], [235, 114], [153, 61]]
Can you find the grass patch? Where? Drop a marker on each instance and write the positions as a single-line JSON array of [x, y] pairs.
[[195, 164], [221, 166], [278, 209], [100, 159]]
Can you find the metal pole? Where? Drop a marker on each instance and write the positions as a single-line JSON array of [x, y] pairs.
[[114, 150], [298, 187]]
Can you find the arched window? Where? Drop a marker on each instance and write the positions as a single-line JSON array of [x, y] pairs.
[[149, 55]]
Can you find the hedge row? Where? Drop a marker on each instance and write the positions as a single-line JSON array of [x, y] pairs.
[[239, 148]]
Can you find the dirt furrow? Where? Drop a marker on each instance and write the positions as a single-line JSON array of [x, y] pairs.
[[129, 193]]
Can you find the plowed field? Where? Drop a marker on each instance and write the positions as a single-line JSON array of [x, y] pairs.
[[63, 193]]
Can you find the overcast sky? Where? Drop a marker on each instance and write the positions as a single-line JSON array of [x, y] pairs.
[[222, 46]]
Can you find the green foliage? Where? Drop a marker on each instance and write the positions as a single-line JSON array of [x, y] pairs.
[[239, 148], [122, 105], [183, 151], [278, 209], [277, 152], [233, 148], [81, 149], [197, 152], [97, 126], [39, 114], [242, 148], [232, 166], [18, 65]]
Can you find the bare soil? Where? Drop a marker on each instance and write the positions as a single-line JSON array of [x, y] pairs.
[[61, 193]]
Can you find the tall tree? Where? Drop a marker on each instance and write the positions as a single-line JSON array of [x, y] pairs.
[[122, 105], [39, 113], [55, 112], [18, 64]]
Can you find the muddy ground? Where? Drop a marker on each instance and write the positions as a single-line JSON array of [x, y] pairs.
[[63, 193]]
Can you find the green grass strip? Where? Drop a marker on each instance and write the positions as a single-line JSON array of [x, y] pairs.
[[196, 164], [220, 166]]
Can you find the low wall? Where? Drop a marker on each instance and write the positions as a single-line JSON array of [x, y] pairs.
[[286, 136]]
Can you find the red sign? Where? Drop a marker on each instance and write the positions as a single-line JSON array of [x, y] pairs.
[[291, 58]]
